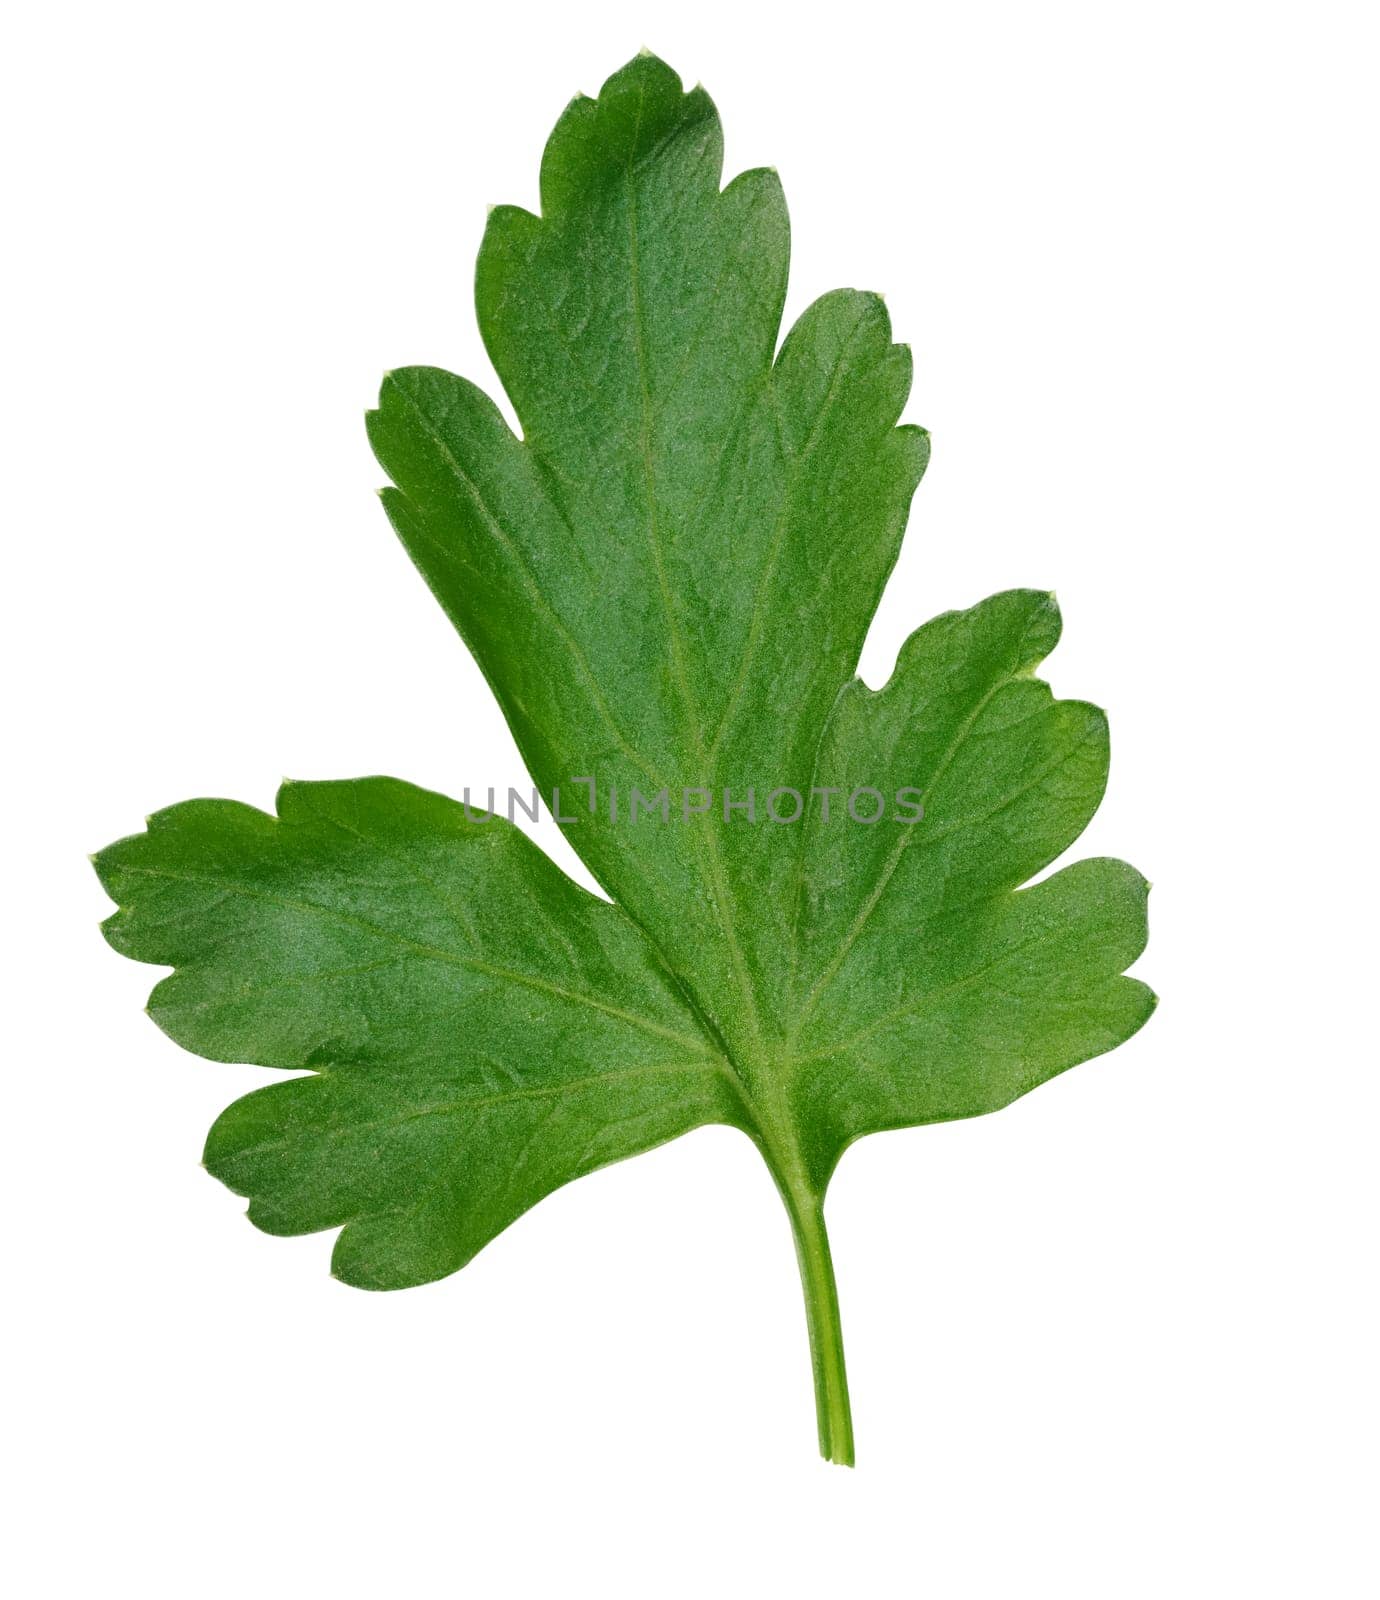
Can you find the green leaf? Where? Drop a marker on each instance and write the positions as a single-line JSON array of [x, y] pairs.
[[481, 1029], [666, 581]]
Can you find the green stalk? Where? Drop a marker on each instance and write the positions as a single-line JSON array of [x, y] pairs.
[[826, 1332], [771, 1131]]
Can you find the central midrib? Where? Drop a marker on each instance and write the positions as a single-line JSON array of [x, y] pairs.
[[707, 841]]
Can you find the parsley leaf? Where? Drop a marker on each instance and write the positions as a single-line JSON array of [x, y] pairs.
[[666, 581]]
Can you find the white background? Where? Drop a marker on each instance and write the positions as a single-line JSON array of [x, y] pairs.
[[1116, 1341]]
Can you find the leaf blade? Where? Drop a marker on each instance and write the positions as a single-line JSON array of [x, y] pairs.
[[690, 507], [428, 968], [666, 580]]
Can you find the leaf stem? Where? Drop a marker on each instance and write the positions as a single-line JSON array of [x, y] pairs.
[[822, 1316]]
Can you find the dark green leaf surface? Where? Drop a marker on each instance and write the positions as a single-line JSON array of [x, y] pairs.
[[666, 581]]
